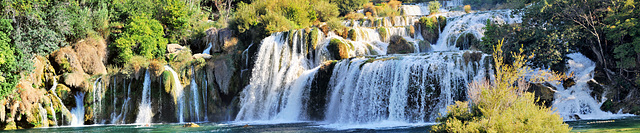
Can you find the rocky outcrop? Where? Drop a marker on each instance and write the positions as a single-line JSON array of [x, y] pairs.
[[399, 45], [467, 41], [338, 49], [92, 55], [220, 40], [174, 48]]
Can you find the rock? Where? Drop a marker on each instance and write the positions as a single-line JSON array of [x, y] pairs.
[[190, 124], [205, 56], [472, 56], [568, 82], [467, 41], [398, 45], [544, 92], [220, 39], [223, 73], [596, 89], [338, 49], [425, 46], [174, 48]]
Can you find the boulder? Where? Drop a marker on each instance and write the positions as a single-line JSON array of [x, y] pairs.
[[204, 56], [398, 45], [338, 49], [467, 41], [223, 73], [174, 48], [220, 39]]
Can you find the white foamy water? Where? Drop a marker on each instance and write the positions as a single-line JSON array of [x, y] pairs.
[[144, 108], [576, 100]]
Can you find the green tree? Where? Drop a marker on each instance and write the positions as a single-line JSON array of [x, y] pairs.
[[142, 35], [176, 17], [9, 71], [434, 7], [347, 6]]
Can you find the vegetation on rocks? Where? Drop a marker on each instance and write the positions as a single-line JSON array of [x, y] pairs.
[[338, 49], [503, 105]]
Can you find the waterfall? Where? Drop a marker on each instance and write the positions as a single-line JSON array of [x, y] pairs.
[[97, 99], [78, 112], [413, 88], [55, 120], [208, 50], [64, 108], [177, 91], [576, 100], [406, 88], [196, 102], [471, 23], [43, 116], [274, 77], [121, 118], [144, 108]]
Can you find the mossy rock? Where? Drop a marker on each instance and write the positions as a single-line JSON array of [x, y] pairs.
[[312, 41], [467, 41], [425, 46], [338, 49], [398, 45], [471, 56], [542, 92], [352, 34], [383, 33]]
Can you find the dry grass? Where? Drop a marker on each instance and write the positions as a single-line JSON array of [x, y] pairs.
[[92, 53]]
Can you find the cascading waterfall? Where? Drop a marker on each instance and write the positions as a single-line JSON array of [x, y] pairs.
[[576, 100], [413, 88], [196, 101], [471, 23], [78, 112], [178, 91], [362, 90], [144, 108], [208, 49], [120, 118], [97, 99], [43, 116]]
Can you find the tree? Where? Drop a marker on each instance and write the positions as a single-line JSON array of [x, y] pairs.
[[9, 71], [347, 6], [142, 35], [434, 7]]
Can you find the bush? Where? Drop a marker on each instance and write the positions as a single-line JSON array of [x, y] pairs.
[[142, 35], [326, 10], [434, 7], [176, 18], [347, 6], [335, 24], [275, 16], [467, 8], [354, 16], [383, 33], [9, 70], [503, 105]]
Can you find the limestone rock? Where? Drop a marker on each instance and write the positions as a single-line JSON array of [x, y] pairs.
[[205, 56], [174, 48], [220, 39], [223, 73], [398, 45], [92, 55]]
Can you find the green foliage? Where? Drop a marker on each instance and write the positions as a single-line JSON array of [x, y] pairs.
[[338, 49], [176, 16], [335, 24], [142, 35], [274, 16], [326, 10], [503, 105], [434, 7], [9, 72], [347, 6], [624, 29], [383, 33]]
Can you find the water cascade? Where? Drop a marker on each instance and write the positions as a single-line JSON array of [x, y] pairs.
[[98, 91], [43, 116], [577, 99], [177, 91], [471, 23], [144, 108], [195, 108], [78, 112]]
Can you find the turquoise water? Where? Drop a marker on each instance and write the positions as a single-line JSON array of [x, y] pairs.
[[214, 127], [628, 124]]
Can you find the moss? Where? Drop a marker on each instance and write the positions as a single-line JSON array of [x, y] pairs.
[[338, 49], [398, 45], [352, 34], [383, 33], [313, 38], [412, 31]]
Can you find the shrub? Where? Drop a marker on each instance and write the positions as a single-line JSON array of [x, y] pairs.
[[354, 16], [276, 23], [142, 35], [434, 7], [467, 8], [383, 33], [335, 24], [347, 6], [9, 70], [176, 18], [271, 15], [503, 105], [326, 10]]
